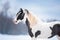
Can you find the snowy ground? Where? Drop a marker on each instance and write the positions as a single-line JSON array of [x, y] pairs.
[[20, 37]]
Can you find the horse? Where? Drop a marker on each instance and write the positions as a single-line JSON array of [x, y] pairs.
[[36, 27]]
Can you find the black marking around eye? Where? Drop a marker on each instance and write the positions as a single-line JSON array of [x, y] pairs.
[[37, 33], [55, 30], [20, 11], [21, 16]]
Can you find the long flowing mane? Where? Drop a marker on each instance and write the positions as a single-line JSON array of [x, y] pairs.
[[32, 19]]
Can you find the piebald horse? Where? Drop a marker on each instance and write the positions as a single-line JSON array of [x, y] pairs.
[[37, 28]]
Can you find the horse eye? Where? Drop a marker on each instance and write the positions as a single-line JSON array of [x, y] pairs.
[[18, 12]]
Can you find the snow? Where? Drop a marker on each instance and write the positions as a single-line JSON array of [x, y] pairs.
[[20, 37]]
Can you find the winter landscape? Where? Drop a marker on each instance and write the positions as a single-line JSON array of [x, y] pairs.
[[48, 11]]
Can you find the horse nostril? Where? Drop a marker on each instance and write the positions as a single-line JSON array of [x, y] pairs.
[[16, 21]]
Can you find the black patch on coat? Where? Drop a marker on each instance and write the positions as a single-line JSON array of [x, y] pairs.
[[29, 29], [37, 33], [55, 30]]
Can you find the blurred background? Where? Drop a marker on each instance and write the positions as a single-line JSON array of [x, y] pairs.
[[6, 24]]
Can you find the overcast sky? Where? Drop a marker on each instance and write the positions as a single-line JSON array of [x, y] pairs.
[[43, 8]]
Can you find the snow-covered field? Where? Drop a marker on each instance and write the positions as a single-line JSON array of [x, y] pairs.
[[20, 37]]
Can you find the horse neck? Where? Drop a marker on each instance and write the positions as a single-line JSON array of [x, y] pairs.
[[32, 19]]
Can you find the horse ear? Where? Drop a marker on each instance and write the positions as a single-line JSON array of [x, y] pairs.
[[21, 9]]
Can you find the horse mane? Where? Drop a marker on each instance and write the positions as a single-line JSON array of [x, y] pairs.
[[31, 18]]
